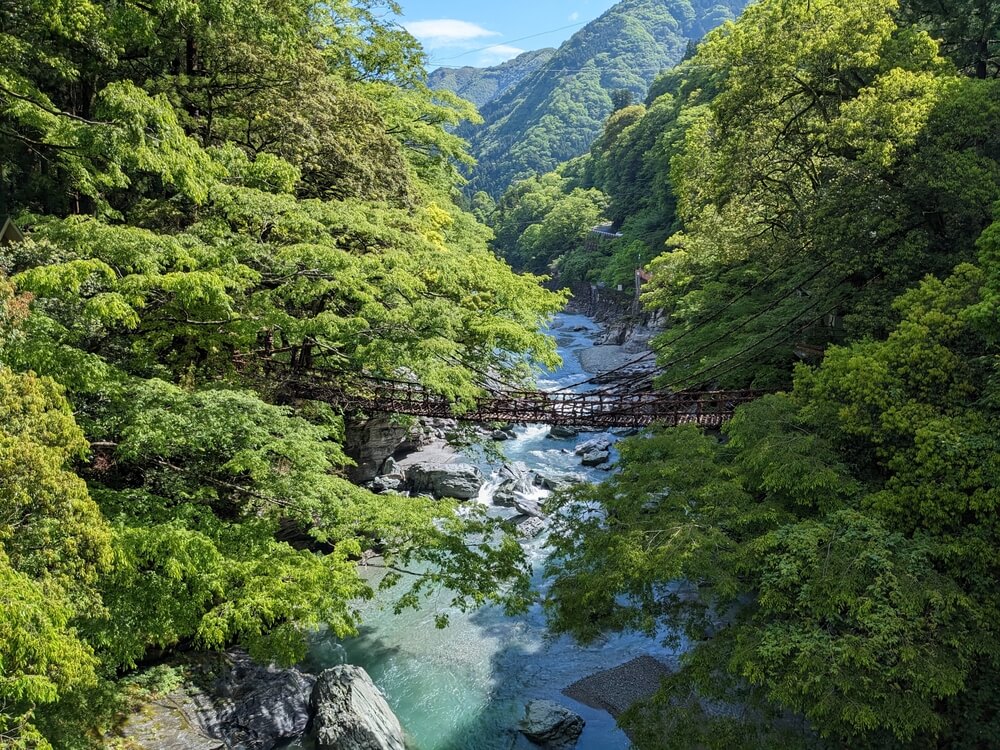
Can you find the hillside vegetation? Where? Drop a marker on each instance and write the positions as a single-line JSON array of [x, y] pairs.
[[556, 112]]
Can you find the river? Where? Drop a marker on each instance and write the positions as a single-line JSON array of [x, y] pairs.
[[464, 687]]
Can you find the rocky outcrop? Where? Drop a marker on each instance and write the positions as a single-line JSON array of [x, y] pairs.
[[392, 478], [230, 702], [370, 445], [616, 690], [552, 726], [457, 481], [515, 481], [350, 713], [529, 527], [559, 480]]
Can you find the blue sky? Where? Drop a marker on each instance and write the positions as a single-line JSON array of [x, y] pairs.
[[458, 33]]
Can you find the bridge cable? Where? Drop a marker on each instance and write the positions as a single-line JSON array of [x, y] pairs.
[[658, 347], [641, 380], [812, 321]]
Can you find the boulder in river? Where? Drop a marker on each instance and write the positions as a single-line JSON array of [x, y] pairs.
[[595, 458], [457, 481], [515, 480], [350, 713], [558, 481], [530, 527], [597, 444], [561, 432], [551, 725]]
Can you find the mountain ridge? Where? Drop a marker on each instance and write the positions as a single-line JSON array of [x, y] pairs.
[[483, 85], [555, 112]]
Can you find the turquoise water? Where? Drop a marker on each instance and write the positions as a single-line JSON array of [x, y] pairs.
[[465, 687]]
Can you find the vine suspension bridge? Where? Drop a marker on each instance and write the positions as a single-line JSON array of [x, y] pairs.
[[620, 406]]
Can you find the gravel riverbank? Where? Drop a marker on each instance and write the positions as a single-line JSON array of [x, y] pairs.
[[616, 690]]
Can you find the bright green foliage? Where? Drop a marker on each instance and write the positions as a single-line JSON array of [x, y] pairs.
[[194, 177], [967, 29], [819, 166], [831, 565], [806, 166], [55, 545], [542, 225], [840, 549]]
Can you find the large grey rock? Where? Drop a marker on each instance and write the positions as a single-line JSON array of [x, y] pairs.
[[515, 480], [616, 690], [560, 480], [264, 705], [530, 527], [387, 483], [595, 458], [350, 713], [231, 702], [599, 444], [458, 481], [552, 726], [370, 445], [392, 469]]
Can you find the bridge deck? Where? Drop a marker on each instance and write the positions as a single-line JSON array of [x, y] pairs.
[[605, 408]]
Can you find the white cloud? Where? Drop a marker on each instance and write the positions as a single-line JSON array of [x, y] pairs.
[[498, 53], [448, 32], [574, 16]]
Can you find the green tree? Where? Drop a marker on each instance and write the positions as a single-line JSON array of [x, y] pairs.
[[195, 177], [834, 558]]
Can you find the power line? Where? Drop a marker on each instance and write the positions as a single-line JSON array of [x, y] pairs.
[[511, 41], [731, 358], [657, 348]]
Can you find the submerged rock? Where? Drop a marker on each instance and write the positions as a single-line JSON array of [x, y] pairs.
[[350, 713], [457, 481], [560, 432], [552, 726]]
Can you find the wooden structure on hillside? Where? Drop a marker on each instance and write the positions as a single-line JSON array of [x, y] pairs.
[[10, 234]]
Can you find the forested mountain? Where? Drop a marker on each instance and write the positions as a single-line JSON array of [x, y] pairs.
[[195, 180], [819, 191], [482, 85], [555, 113]]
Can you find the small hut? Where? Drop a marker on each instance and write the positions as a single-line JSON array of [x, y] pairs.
[[10, 234]]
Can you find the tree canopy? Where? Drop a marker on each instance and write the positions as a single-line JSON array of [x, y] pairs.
[[193, 177], [817, 182]]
